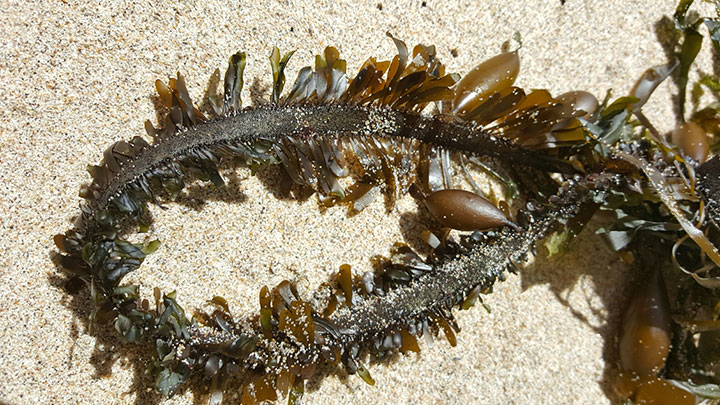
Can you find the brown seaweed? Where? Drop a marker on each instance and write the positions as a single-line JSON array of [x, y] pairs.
[[372, 129], [316, 132]]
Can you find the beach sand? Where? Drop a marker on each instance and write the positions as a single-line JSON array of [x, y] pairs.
[[76, 76]]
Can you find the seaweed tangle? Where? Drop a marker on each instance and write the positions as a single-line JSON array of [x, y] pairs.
[[371, 132]]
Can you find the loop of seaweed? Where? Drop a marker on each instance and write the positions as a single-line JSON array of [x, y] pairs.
[[325, 126]]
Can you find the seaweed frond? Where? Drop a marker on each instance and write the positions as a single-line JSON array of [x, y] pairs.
[[372, 128]]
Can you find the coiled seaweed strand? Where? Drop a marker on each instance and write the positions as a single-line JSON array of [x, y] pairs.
[[323, 127]]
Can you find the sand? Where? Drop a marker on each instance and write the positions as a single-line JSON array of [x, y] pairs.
[[76, 76]]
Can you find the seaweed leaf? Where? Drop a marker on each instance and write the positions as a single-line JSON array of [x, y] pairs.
[[234, 82], [688, 51], [278, 71], [169, 380]]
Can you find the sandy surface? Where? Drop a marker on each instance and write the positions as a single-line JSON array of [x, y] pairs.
[[77, 75]]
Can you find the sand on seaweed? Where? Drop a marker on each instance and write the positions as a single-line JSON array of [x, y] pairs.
[[76, 76]]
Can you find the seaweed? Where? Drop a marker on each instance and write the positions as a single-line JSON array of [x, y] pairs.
[[323, 127], [350, 140]]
